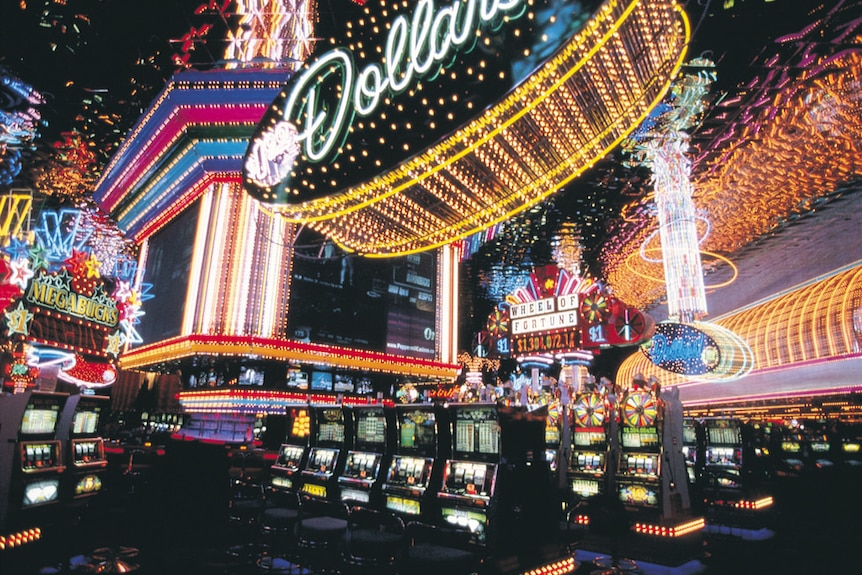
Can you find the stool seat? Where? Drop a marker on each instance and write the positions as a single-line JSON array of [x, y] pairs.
[[441, 556], [328, 529], [279, 517]]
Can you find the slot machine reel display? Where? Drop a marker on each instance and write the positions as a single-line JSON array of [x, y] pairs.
[[415, 473], [285, 471], [361, 479], [497, 452]]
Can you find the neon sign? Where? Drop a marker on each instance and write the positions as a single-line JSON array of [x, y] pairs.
[[54, 292], [315, 126], [682, 348]]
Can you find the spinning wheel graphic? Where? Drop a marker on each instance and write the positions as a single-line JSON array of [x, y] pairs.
[[594, 308], [630, 324], [640, 410], [589, 411]]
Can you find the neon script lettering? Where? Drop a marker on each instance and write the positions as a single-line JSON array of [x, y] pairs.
[[414, 50]]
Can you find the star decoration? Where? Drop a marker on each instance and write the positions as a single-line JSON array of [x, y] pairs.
[[77, 262], [115, 340], [19, 320], [93, 266], [38, 257], [20, 272], [123, 290], [17, 249]]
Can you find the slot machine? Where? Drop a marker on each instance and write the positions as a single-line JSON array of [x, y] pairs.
[[554, 431], [730, 478], [639, 468], [327, 453], [415, 474], [32, 467], [589, 461], [790, 451], [285, 472], [850, 438], [372, 429], [489, 484], [80, 430]]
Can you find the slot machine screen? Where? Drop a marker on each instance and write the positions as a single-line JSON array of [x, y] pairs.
[[418, 430], [729, 456], [370, 429], [86, 422], [40, 418], [585, 487], [638, 494], [728, 435], [300, 425], [639, 464], [470, 478], [362, 465], [330, 426], [322, 460], [589, 462], [477, 433], [689, 434], [790, 446], [41, 492], [588, 437], [289, 456], [640, 437], [408, 471]]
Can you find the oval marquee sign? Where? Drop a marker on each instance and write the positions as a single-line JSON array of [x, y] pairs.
[[683, 349]]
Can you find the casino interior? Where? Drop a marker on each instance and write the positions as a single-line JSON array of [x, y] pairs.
[[484, 287]]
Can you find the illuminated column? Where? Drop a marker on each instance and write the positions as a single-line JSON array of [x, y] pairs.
[[686, 296]]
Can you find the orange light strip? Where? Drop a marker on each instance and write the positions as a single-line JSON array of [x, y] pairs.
[[567, 565], [19, 538], [673, 531]]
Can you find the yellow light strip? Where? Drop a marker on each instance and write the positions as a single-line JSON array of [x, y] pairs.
[[285, 350], [362, 218]]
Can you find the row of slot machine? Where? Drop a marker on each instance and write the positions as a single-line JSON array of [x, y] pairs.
[[627, 453], [473, 467], [52, 459]]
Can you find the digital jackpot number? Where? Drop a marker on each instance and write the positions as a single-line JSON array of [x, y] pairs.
[[545, 342]]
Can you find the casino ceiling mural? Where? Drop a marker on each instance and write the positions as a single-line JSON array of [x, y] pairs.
[[71, 297], [419, 124]]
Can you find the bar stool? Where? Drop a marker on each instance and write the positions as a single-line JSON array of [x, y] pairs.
[[278, 524], [375, 541], [433, 550], [244, 508], [320, 534]]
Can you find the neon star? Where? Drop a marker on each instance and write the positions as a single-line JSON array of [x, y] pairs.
[[17, 249], [93, 266], [38, 257], [77, 262], [123, 290], [19, 320], [20, 272], [115, 340]]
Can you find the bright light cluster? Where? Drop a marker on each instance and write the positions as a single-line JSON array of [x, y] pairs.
[[277, 33], [753, 179], [556, 124], [815, 322]]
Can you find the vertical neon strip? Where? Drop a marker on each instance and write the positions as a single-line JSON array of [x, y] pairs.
[[193, 295], [447, 306], [243, 273]]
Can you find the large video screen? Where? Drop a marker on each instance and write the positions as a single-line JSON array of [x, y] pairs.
[[40, 417], [386, 305], [168, 263]]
